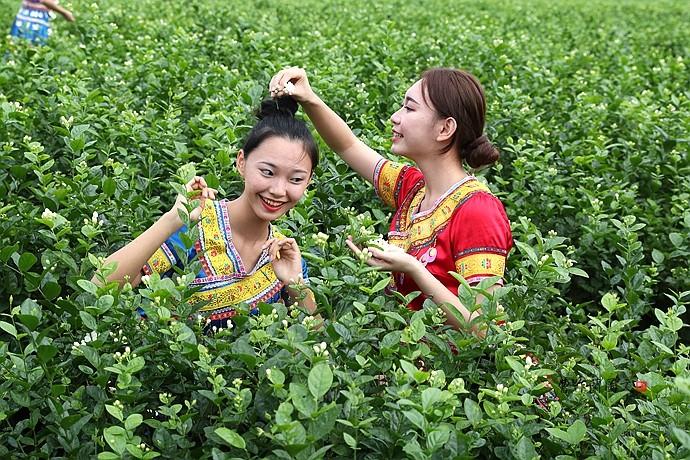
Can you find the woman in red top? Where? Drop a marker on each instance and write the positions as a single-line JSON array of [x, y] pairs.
[[445, 219]]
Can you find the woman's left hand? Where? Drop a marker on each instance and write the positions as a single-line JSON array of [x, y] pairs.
[[285, 258], [388, 257]]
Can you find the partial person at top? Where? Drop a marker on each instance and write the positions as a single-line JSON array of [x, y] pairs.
[[32, 22]]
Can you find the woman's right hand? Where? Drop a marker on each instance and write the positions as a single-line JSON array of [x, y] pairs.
[[197, 189], [293, 82]]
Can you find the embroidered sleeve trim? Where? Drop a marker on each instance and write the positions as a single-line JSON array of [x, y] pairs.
[[480, 264], [161, 261], [387, 183]]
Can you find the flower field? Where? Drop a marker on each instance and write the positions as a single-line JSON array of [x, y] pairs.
[[586, 353]]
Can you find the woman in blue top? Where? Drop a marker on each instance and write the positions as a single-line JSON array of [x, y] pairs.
[[244, 258], [33, 20]]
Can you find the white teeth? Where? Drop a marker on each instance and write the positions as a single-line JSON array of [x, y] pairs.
[[275, 204]]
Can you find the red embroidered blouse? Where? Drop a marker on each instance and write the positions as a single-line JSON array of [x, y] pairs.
[[465, 231]]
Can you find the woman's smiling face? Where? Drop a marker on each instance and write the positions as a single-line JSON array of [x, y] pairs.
[[276, 174], [414, 124]]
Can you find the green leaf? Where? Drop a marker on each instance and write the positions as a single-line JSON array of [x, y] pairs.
[[380, 286], [133, 421], [610, 302], [51, 290], [230, 437], [109, 186], [10, 329], [416, 418], [26, 261], [472, 411], [276, 376], [430, 396], [682, 436], [46, 352], [136, 364], [514, 364], [417, 330], [662, 347], [437, 438], [524, 449], [676, 239], [85, 369], [350, 441], [88, 286], [683, 384], [116, 437], [30, 321], [88, 320], [114, 411], [527, 250], [657, 256], [108, 456], [578, 272], [302, 399], [7, 252], [575, 434], [320, 380]]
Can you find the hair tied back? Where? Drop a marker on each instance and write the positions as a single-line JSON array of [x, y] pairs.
[[477, 142], [280, 107]]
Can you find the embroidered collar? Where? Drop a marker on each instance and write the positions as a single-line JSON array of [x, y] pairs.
[[419, 196]]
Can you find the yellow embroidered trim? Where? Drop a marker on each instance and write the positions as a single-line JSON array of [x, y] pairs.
[[261, 285], [214, 247], [386, 180], [158, 262], [425, 228], [481, 264]]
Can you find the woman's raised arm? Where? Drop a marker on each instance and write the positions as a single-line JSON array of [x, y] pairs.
[[333, 129]]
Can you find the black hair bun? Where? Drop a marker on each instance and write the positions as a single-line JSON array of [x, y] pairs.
[[284, 106]]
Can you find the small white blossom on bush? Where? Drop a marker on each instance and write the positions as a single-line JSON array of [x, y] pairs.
[[321, 239], [48, 214]]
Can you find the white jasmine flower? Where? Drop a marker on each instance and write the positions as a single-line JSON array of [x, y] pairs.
[[48, 214]]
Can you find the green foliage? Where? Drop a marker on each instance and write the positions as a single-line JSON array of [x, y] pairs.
[[583, 354]]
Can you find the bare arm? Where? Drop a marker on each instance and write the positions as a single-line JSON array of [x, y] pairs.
[[132, 257], [333, 129], [53, 5], [444, 298], [392, 258]]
